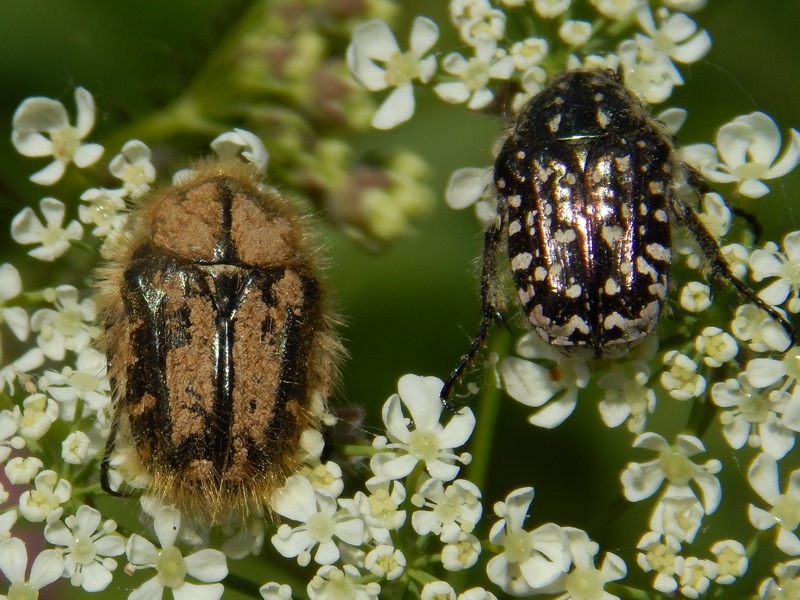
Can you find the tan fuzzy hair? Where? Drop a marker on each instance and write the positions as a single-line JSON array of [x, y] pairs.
[[223, 225]]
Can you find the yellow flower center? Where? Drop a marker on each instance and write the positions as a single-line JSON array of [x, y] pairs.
[[585, 584], [171, 567], [677, 467]]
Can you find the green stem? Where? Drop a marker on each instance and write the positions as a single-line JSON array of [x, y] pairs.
[[179, 117], [487, 406], [241, 585]]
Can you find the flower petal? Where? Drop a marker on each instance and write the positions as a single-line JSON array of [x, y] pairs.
[[149, 590], [207, 565], [86, 111], [424, 34], [397, 108], [87, 154], [13, 559], [46, 568], [763, 478], [51, 174]]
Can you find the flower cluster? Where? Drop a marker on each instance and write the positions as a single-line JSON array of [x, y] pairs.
[[728, 367], [366, 543]]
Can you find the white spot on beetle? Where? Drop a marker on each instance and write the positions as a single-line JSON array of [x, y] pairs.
[[611, 234], [521, 261], [658, 252], [565, 236]]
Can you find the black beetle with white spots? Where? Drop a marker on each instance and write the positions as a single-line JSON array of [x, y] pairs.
[[586, 203]]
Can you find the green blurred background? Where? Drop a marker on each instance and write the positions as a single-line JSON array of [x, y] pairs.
[[413, 307]]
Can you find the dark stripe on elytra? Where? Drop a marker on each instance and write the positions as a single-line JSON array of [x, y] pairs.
[[297, 337], [225, 244], [227, 292]]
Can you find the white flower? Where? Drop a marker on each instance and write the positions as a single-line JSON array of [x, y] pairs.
[[787, 585], [737, 257], [477, 593], [461, 553], [616, 9], [554, 389], [647, 70], [453, 511], [275, 591], [718, 346], [7, 521], [10, 287], [715, 215], [678, 515], [75, 448], [70, 327], [8, 435], [26, 228], [697, 575], [132, 165], [550, 9], [681, 380], [755, 417], [32, 359], [36, 416], [87, 551], [528, 53], [769, 262], [585, 581], [642, 480], [46, 568], [484, 25], [530, 560], [38, 119], [380, 510], [21, 470], [240, 142], [320, 523], [785, 508], [731, 560], [324, 476], [748, 148], [171, 566], [477, 21], [695, 297], [661, 556], [332, 583], [762, 332], [429, 441], [677, 37], [575, 33], [628, 395], [105, 209], [782, 371], [437, 590], [44, 502], [385, 561], [474, 74], [373, 43], [466, 186], [87, 382]]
